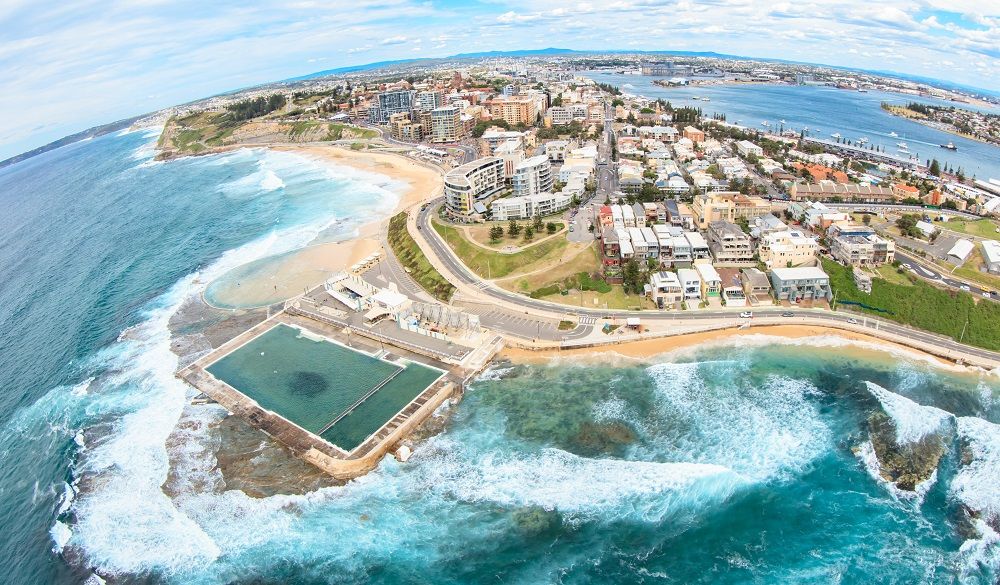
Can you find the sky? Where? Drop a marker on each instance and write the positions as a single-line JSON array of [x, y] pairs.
[[68, 66]]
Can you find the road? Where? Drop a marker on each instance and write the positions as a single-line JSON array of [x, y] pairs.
[[456, 272], [934, 275]]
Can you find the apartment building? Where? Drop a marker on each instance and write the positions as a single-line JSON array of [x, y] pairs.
[[860, 246], [729, 245], [665, 290], [429, 100], [787, 248], [446, 124], [512, 153], [747, 148], [514, 110], [560, 116], [830, 191], [532, 176], [694, 135], [388, 103], [727, 206], [800, 284], [529, 206], [469, 188]]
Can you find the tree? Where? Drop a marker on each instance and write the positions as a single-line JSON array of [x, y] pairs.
[[866, 219], [551, 228], [538, 224], [529, 233], [907, 225], [935, 168], [496, 233], [632, 277], [513, 229]]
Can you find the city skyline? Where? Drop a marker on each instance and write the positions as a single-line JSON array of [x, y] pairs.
[[79, 67]]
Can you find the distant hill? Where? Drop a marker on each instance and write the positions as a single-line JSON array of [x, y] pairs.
[[89, 133]]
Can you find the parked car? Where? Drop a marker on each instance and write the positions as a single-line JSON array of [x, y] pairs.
[[787, 314], [852, 321], [746, 314], [964, 287]]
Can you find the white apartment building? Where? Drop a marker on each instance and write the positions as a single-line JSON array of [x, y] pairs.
[[512, 153], [529, 206], [532, 176], [746, 148], [787, 248], [470, 187], [560, 116]]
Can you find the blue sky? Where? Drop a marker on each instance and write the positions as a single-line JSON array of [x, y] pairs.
[[67, 66]]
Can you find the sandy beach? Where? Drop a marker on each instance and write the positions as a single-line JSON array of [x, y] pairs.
[[277, 278], [649, 348]]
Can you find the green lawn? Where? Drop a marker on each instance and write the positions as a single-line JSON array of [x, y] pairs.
[[414, 260], [923, 306], [983, 228], [892, 274], [490, 264]]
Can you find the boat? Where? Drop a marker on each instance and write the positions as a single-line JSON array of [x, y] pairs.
[[902, 145], [949, 146], [903, 150], [863, 140], [783, 122], [706, 99], [765, 123], [894, 135], [836, 135]]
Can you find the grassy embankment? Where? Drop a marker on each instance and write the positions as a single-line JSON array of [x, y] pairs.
[[409, 254], [923, 306], [982, 228]]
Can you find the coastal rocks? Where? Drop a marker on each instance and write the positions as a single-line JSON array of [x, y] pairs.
[[907, 440], [536, 520]]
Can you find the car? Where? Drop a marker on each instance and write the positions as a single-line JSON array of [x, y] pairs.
[[852, 321], [746, 314], [964, 287], [788, 314], [987, 294]]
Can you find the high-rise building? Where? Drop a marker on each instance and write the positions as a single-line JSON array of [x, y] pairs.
[[514, 110], [388, 103], [469, 188], [532, 176], [429, 100], [446, 124]]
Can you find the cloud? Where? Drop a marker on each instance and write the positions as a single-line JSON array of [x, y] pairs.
[[68, 66]]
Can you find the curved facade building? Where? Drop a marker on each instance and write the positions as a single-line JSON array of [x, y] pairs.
[[474, 182], [532, 176]]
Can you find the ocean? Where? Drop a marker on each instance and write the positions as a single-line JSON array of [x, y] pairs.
[[721, 464], [825, 111]]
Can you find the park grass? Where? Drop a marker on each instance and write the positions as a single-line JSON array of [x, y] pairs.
[[413, 259], [954, 314], [481, 234], [891, 274], [491, 264], [586, 261], [982, 228], [616, 298]]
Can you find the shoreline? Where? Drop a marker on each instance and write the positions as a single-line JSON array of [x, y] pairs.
[[676, 344], [280, 277]]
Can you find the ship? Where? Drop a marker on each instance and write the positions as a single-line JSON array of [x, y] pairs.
[[902, 145], [863, 140], [765, 123], [949, 146], [893, 134], [836, 135]]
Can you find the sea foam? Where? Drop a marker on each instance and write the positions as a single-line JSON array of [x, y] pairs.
[[912, 421]]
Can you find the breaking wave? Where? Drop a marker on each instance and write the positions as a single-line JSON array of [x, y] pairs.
[[913, 421]]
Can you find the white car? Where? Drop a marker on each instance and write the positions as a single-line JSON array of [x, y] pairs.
[[852, 321], [964, 287], [746, 314]]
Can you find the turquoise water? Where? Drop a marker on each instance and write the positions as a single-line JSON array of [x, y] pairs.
[[312, 381], [831, 110], [724, 465]]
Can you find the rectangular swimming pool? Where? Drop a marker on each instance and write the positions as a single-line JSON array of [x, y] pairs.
[[312, 381]]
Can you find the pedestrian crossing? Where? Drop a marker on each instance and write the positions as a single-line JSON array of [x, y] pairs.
[[587, 320]]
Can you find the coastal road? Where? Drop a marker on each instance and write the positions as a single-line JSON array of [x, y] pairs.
[[934, 275], [456, 272]]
